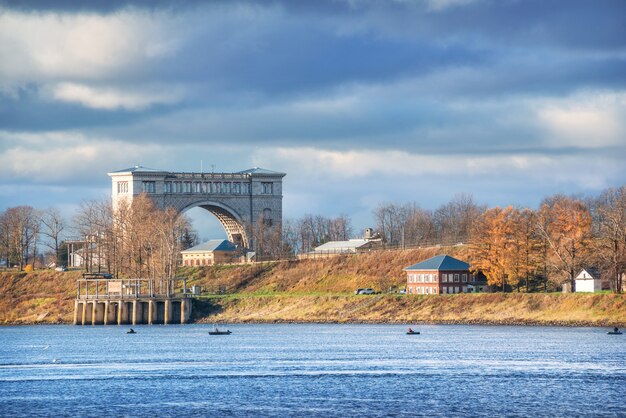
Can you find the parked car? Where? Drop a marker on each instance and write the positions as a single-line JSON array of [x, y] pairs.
[[61, 268], [364, 291]]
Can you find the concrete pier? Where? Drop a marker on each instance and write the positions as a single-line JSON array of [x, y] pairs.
[[103, 300], [132, 312]]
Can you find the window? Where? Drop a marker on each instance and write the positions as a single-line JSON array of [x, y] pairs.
[[464, 277], [217, 187], [149, 187], [456, 278], [434, 278], [198, 187], [237, 188], [267, 217], [168, 187], [434, 290], [122, 187], [245, 188], [187, 187], [179, 187], [267, 187], [410, 278]]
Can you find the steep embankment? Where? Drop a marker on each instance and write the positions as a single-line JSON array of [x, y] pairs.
[[322, 291], [510, 308]]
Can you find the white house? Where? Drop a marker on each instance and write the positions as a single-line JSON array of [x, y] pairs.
[[588, 280]]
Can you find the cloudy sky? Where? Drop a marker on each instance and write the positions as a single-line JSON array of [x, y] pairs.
[[357, 101]]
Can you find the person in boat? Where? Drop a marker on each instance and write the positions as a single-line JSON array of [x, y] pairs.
[[615, 329], [410, 330], [131, 331]]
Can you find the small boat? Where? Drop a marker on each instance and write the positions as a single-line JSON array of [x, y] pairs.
[[218, 332], [615, 331], [131, 331], [411, 332]]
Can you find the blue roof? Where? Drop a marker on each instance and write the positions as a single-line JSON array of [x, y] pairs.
[[137, 169], [213, 245], [263, 171], [440, 262]]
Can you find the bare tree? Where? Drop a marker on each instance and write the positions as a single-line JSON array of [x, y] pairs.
[[610, 216], [20, 228], [53, 225]]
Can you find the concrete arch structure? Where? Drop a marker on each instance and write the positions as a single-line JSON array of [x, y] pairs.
[[238, 200], [229, 218]]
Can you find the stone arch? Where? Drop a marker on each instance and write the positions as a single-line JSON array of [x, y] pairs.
[[228, 217]]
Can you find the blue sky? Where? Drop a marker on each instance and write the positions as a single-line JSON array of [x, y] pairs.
[[358, 101]]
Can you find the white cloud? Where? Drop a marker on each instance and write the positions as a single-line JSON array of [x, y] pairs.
[[585, 120], [40, 46], [327, 165], [112, 98]]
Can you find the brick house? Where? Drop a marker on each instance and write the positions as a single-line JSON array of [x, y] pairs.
[[440, 274]]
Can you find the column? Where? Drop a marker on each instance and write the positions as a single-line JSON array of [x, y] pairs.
[[151, 312], [105, 319], [84, 316], [185, 310], [121, 311], [76, 305], [168, 312], [135, 313]]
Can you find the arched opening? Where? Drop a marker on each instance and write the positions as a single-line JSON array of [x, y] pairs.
[[227, 218]]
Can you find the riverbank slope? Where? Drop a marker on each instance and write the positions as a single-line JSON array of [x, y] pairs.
[[322, 290]]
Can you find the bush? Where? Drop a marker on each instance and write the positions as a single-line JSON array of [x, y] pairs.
[[28, 268]]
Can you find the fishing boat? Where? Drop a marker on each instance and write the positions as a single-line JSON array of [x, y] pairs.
[[216, 331], [615, 331], [131, 331], [411, 332]]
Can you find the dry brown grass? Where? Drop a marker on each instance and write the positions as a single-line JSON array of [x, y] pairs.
[[322, 291]]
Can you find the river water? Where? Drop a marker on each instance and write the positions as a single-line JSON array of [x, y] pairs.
[[311, 370]]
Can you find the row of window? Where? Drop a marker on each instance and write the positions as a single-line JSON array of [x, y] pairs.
[[423, 290], [421, 278], [454, 289], [432, 278], [216, 187], [122, 187], [429, 290], [454, 278]]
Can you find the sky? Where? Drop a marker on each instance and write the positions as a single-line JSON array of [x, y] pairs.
[[359, 102]]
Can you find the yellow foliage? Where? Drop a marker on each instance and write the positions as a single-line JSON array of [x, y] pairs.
[[28, 268]]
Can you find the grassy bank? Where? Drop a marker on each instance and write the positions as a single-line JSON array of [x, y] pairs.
[[510, 308], [322, 291]]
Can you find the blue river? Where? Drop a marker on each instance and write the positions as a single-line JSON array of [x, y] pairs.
[[311, 370]]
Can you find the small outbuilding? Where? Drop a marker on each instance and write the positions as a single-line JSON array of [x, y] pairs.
[[588, 280], [216, 251], [440, 274]]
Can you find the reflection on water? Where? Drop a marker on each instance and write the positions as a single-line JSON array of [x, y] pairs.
[[311, 370]]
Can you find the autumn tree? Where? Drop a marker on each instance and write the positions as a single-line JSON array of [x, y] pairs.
[[565, 225], [492, 237]]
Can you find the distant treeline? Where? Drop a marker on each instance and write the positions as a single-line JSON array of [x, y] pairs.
[[513, 247]]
